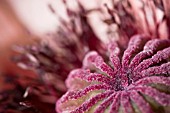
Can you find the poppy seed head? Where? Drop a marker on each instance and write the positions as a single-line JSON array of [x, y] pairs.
[[137, 81]]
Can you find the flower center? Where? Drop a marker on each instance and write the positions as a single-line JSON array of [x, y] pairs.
[[122, 80]]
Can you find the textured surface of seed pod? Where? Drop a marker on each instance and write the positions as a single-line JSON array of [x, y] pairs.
[[136, 82]]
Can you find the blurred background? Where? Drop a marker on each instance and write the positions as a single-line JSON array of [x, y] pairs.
[[21, 21], [12, 31]]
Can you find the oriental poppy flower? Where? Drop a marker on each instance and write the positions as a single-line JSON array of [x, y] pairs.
[[129, 74], [133, 79]]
